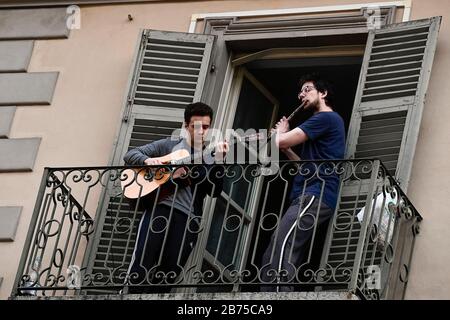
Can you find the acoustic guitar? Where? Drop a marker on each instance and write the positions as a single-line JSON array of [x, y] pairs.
[[139, 182]]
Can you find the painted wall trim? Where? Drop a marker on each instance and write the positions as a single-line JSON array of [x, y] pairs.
[[39, 23], [15, 55], [6, 119], [35, 88], [50, 3], [9, 220], [406, 4], [18, 154]]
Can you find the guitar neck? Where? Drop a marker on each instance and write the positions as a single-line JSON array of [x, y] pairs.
[[209, 150]]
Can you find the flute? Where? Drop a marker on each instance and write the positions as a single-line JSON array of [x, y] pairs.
[[297, 110], [259, 136]]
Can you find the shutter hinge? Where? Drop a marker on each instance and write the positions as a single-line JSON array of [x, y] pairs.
[[127, 112], [144, 39]]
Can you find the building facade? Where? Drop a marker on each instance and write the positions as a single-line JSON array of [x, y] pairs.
[[78, 89]]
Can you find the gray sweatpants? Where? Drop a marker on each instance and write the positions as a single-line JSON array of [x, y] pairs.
[[288, 246]]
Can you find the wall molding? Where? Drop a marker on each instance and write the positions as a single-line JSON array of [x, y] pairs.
[[15, 55], [18, 155], [9, 220], [40, 23], [50, 3], [6, 118], [406, 4], [34, 88], [20, 27]]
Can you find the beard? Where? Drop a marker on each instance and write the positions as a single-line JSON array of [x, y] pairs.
[[312, 105]]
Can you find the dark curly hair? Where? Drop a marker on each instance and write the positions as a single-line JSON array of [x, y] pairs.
[[322, 85], [197, 109]]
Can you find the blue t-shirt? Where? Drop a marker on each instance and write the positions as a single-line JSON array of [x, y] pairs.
[[326, 141]]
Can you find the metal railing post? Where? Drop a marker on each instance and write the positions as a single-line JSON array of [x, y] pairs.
[[31, 232], [363, 233]]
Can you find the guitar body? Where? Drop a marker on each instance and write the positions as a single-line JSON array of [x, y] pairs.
[[139, 182]]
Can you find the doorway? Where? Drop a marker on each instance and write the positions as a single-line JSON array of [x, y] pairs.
[[281, 77], [262, 91]]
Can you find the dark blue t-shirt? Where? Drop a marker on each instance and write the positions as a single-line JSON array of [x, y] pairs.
[[326, 141]]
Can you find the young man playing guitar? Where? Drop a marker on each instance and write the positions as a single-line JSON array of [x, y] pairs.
[[168, 229]]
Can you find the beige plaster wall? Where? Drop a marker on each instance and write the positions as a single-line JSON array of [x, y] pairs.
[[79, 127], [429, 187]]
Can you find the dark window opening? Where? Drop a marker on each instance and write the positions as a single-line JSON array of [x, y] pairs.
[[280, 77]]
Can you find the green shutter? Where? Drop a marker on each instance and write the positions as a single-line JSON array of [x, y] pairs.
[[169, 72], [384, 125], [390, 98]]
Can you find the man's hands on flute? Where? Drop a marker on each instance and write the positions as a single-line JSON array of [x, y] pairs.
[[282, 126]]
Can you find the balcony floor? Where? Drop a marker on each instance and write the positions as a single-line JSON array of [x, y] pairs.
[[267, 296]]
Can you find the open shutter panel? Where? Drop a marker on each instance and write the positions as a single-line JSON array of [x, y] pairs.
[[172, 69], [169, 72], [391, 93], [385, 123]]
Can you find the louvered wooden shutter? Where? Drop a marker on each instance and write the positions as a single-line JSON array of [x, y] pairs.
[[169, 72], [384, 125], [391, 93]]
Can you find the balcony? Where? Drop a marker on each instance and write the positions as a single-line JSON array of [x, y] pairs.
[[83, 232]]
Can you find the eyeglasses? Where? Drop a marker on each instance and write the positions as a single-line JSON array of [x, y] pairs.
[[197, 126], [306, 89]]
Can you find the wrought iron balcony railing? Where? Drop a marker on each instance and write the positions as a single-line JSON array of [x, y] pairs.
[[83, 230]]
